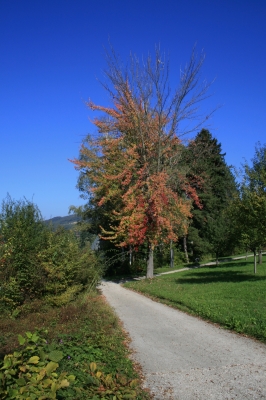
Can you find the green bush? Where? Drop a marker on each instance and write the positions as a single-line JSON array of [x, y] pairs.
[[33, 372], [22, 234], [30, 372], [65, 297], [37, 262], [67, 265]]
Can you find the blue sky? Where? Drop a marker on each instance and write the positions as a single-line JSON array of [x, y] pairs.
[[52, 53]]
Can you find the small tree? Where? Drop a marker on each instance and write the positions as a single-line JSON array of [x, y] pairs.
[[132, 170], [255, 175], [23, 234], [249, 209], [249, 215]]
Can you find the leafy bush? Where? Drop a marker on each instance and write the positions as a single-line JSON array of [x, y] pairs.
[[39, 370], [65, 297], [30, 372], [98, 385], [68, 268], [37, 262], [22, 235]]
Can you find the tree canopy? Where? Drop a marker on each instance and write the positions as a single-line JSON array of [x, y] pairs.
[[132, 170]]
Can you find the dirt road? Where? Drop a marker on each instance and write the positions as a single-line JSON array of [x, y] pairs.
[[185, 358]]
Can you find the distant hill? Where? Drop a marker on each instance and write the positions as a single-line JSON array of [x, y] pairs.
[[67, 222]]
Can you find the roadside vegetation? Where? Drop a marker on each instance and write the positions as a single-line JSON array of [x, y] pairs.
[[37, 263], [59, 339], [228, 294], [83, 345]]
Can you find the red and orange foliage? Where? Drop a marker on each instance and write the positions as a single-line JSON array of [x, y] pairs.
[[133, 166]]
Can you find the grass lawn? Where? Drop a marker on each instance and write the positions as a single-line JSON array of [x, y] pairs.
[[85, 332], [167, 269], [229, 294], [192, 264]]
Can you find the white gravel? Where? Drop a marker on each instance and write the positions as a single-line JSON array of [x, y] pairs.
[[185, 358]]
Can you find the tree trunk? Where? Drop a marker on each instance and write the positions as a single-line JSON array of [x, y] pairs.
[[123, 254], [185, 248], [171, 255], [255, 261], [130, 255], [260, 256], [150, 263]]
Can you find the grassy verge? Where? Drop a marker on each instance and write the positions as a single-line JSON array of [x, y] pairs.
[[84, 333], [229, 294]]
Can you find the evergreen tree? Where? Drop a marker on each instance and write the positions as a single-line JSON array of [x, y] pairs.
[[215, 185]]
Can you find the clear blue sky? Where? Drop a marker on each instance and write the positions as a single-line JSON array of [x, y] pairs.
[[52, 52]]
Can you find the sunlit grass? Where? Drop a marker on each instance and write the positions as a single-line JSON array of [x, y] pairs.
[[229, 294], [166, 268]]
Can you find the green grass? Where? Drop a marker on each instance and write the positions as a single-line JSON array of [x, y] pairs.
[[191, 264], [229, 294], [85, 332], [167, 269]]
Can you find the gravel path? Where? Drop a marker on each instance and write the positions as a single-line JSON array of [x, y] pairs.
[[185, 358]]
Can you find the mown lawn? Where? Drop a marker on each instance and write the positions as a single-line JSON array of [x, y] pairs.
[[229, 294]]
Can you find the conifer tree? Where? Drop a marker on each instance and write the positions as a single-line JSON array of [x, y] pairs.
[[216, 187]]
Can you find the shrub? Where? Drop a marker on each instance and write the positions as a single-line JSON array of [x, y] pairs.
[[30, 372], [36, 262], [67, 265], [22, 234]]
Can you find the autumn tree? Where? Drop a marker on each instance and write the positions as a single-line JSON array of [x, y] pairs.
[[132, 171]]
